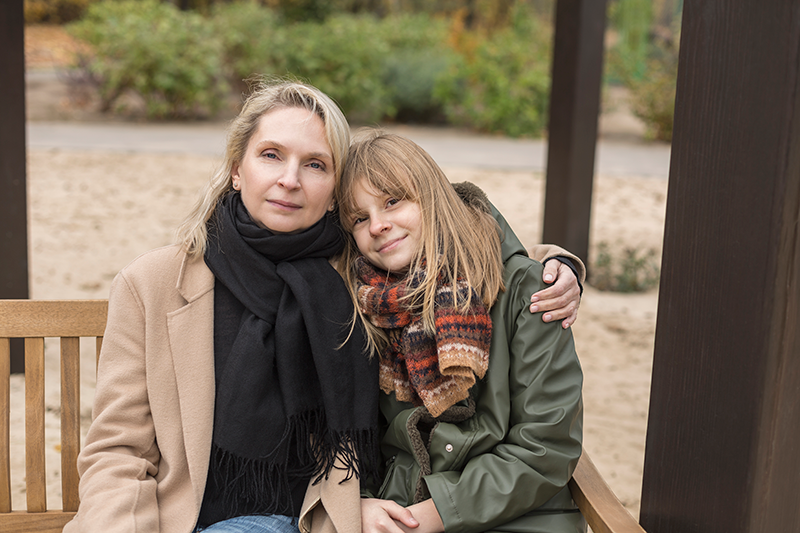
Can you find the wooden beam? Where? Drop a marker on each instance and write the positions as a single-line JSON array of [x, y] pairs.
[[13, 200], [724, 424], [574, 109]]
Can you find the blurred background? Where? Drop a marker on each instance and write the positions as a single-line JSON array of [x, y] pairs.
[[483, 65]]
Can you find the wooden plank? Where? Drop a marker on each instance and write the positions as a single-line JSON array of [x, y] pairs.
[[5, 433], [70, 421], [52, 318], [99, 347], [22, 522], [599, 505], [572, 131], [13, 200], [36, 487], [723, 421]]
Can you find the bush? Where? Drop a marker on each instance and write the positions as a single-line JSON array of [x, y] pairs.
[[653, 97], [172, 59], [501, 83], [635, 271], [248, 31], [342, 57], [418, 56], [54, 11]]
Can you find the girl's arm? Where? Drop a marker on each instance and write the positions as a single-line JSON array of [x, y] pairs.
[[532, 393], [118, 464]]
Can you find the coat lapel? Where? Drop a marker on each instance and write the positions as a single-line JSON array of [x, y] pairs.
[[191, 339]]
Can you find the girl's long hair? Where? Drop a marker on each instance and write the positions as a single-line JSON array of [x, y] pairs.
[[267, 94], [457, 240]]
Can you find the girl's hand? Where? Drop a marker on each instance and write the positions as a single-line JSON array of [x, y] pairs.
[[385, 516], [561, 301]]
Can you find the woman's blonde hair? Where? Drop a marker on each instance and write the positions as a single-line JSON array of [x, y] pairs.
[[457, 240], [267, 95]]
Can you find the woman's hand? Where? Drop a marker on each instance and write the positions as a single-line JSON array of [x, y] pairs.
[[385, 516], [561, 301]]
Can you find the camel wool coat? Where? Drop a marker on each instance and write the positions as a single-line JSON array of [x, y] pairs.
[[145, 462]]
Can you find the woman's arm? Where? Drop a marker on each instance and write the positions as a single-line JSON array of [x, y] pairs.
[[118, 464], [562, 299]]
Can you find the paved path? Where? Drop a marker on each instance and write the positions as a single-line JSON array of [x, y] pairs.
[[449, 147]]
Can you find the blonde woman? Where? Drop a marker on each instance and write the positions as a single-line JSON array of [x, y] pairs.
[[482, 401]]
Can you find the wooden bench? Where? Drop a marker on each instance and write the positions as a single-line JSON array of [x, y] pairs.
[[70, 320]]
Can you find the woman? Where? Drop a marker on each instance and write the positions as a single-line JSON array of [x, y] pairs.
[[482, 403], [230, 394]]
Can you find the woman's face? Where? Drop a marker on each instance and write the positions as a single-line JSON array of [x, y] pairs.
[[386, 229], [286, 176]]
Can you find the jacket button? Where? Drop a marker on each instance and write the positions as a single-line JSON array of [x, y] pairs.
[[449, 447]]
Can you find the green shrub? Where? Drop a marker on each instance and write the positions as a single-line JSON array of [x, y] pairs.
[[54, 11], [172, 59], [635, 271], [418, 54], [501, 83], [248, 31], [342, 57], [653, 97]]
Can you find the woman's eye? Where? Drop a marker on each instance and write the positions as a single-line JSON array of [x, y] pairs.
[[317, 166], [391, 201], [269, 155]]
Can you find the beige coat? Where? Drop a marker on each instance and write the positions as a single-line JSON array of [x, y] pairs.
[[146, 458]]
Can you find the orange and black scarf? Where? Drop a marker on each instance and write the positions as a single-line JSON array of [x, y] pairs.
[[436, 370]]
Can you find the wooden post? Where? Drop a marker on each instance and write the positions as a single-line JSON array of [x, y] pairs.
[[13, 201], [574, 109], [724, 424]]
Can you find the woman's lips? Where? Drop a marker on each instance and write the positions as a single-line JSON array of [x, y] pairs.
[[280, 204]]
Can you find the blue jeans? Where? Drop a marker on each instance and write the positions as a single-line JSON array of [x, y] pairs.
[[253, 524]]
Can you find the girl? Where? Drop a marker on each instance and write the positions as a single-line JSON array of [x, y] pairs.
[[482, 403]]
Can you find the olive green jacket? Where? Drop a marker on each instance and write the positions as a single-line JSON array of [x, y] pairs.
[[506, 468]]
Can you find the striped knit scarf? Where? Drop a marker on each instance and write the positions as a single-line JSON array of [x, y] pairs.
[[435, 371]]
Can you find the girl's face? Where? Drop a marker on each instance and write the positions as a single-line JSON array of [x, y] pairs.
[[286, 175], [386, 229]]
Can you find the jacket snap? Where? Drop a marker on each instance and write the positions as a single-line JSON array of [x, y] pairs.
[[449, 448]]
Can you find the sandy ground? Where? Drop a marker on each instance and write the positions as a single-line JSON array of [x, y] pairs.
[[91, 213]]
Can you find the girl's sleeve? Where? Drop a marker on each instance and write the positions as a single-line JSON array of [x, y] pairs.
[[536, 395], [118, 464]]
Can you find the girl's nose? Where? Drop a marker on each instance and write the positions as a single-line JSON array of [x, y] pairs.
[[378, 225]]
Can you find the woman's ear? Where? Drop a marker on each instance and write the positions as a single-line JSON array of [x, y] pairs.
[[235, 178], [332, 207]]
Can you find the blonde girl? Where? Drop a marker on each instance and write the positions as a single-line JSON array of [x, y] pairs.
[[481, 400]]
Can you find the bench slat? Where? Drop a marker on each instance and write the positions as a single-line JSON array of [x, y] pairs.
[[36, 487], [70, 420], [53, 318], [22, 522], [5, 405]]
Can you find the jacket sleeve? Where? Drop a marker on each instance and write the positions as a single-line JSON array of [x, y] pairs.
[[544, 252], [118, 464], [532, 393]]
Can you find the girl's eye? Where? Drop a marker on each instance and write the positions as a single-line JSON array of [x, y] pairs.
[[391, 201], [359, 220]]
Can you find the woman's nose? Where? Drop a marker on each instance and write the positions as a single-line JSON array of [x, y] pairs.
[[290, 178]]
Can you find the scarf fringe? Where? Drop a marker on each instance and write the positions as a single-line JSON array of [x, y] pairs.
[[307, 449]]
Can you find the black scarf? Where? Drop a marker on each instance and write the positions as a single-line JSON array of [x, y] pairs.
[[289, 401]]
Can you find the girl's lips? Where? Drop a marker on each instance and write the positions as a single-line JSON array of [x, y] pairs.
[[391, 245], [284, 205]]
